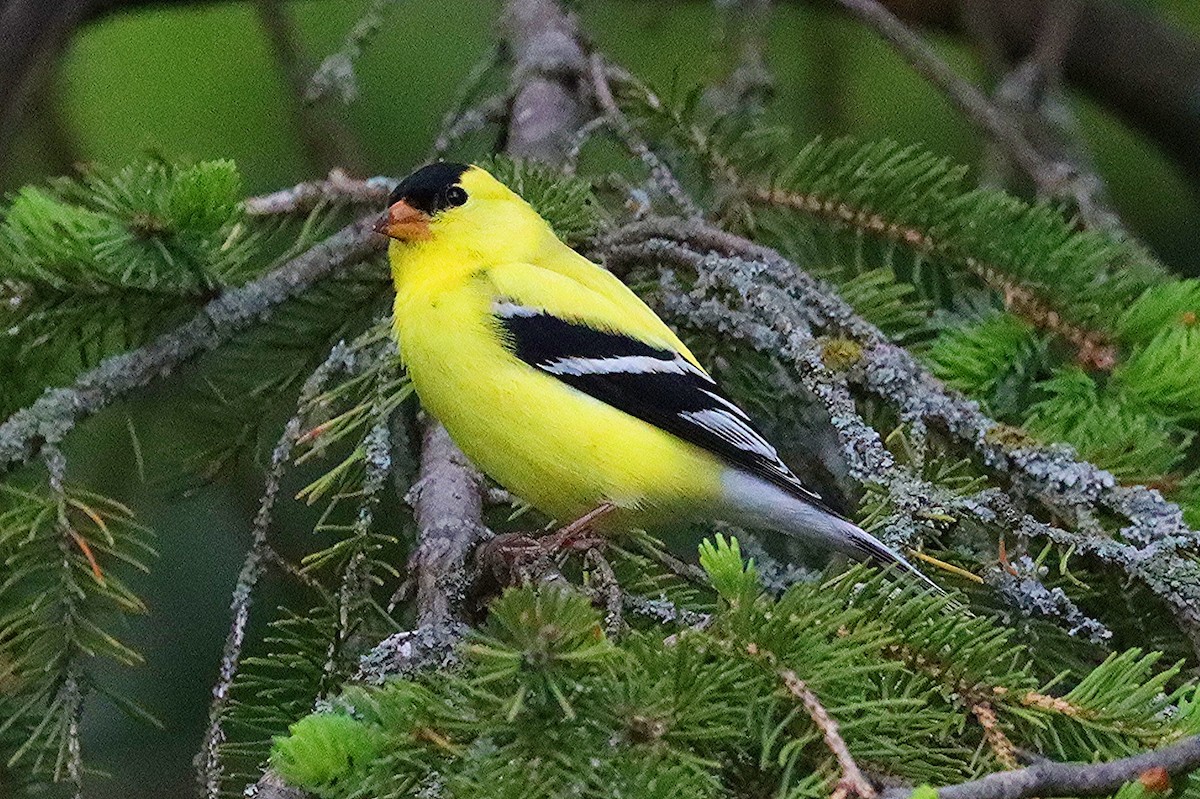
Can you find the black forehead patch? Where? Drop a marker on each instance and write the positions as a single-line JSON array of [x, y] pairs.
[[426, 188]]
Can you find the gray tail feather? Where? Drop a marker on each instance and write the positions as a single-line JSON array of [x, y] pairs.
[[759, 503], [864, 546]]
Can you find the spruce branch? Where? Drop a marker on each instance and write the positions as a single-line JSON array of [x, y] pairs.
[[1093, 348], [53, 415], [779, 309], [447, 501], [208, 761], [852, 782], [337, 187], [1072, 779]]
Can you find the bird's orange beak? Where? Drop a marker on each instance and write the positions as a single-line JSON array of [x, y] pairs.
[[404, 223]]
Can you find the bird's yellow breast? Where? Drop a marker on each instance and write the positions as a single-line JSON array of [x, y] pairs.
[[554, 446]]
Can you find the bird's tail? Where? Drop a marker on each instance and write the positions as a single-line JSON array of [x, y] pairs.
[[759, 503]]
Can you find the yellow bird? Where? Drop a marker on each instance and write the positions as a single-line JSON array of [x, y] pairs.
[[563, 386]]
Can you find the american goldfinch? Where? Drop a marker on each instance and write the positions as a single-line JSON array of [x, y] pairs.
[[563, 386]]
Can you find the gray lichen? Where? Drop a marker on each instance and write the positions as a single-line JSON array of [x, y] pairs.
[[753, 294]]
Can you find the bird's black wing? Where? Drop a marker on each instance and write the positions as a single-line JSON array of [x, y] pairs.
[[656, 385]]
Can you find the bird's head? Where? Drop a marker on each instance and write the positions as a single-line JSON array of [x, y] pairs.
[[457, 204]]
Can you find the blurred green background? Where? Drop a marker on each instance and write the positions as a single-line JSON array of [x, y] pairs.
[[203, 82]]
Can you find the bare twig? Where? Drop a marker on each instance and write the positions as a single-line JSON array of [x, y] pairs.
[[336, 73], [747, 85], [1072, 779], [606, 589], [660, 174], [208, 760], [338, 187], [467, 113], [1031, 93], [1053, 178], [327, 141], [52, 416], [851, 782]]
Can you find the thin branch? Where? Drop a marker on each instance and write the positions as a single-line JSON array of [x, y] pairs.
[[210, 772], [606, 589], [1072, 779], [53, 415], [1053, 178], [1031, 93], [660, 174], [327, 141], [747, 85], [336, 74], [851, 782], [468, 112], [338, 187]]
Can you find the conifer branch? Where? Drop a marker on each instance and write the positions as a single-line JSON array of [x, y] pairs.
[[447, 501], [660, 174], [338, 187], [852, 782], [1072, 779], [1094, 348], [69, 695], [781, 307], [53, 415]]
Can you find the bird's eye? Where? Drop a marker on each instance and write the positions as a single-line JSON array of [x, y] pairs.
[[455, 196]]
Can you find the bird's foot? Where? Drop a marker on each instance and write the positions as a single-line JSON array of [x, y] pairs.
[[514, 559]]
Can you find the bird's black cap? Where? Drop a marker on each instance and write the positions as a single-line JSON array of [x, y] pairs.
[[429, 188]]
